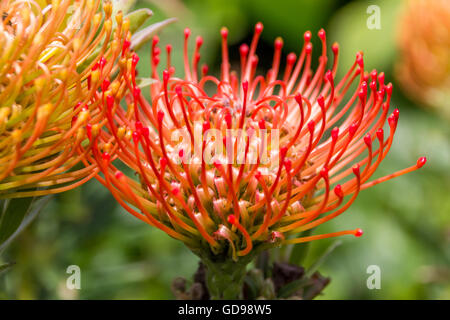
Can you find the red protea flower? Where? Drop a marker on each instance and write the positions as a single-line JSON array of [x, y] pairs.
[[331, 137]]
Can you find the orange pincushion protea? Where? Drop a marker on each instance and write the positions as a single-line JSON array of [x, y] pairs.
[[54, 57], [328, 147]]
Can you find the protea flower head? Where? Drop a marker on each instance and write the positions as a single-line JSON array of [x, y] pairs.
[[317, 142], [54, 57], [423, 69]]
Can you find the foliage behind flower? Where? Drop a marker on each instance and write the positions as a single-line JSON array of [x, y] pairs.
[[331, 141], [424, 66], [54, 57]]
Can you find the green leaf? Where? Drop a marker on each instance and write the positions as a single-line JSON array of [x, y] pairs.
[[138, 18], [122, 5], [139, 38], [144, 82], [12, 216], [5, 267], [24, 210], [300, 250], [313, 268], [287, 290]]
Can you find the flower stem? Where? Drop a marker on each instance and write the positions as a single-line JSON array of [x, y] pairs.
[[225, 279]]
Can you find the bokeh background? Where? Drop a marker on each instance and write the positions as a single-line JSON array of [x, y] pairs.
[[406, 220]]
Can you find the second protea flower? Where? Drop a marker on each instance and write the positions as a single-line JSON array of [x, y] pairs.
[[297, 143], [54, 57]]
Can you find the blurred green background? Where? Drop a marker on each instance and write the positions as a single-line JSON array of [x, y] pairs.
[[406, 220]]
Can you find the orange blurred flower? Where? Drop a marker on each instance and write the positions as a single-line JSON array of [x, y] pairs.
[[423, 69]]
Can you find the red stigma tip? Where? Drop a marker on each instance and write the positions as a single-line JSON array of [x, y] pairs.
[[335, 133], [138, 125], [335, 48], [358, 233], [259, 27], [258, 175], [396, 113], [283, 151], [262, 124], [175, 191], [228, 119], [231, 219], [118, 175], [338, 191], [329, 76], [163, 163], [291, 57], [187, 33], [421, 162], [321, 101], [311, 126], [181, 153], [380, 134], [102, 62], [105, 85], [243, 49], [355, 170], [106, 156], [299, 99], [169, 48], [135, 59], [224, 32], [109, 101], [136, 92], [205, 69], [155, 40], [288, 165], [166, 76], [245, 85], [160, 116], [136, 136], [322, 34], [324, 172], [206, 126], [145, 132], [178, 90], [368, 140], [278, 43], [352, 129], [307, 36], [199, 41]]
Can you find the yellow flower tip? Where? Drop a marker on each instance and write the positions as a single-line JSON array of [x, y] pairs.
[[90, 4], [63, 74], [115, 45], [44, 111], [97, 19], [4, 114], [95, 76], [108, 25], [83, 116], [107, 7], [81, 134], [121, 132], [39, 84], [114, 87], [126, 24], [129, 134], [119, 18], [76, 44], [95, 130], [107, 147], [16, 135]]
